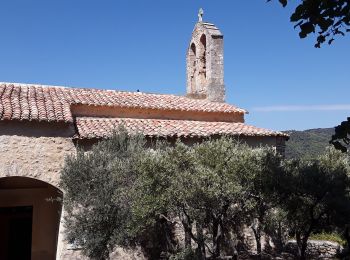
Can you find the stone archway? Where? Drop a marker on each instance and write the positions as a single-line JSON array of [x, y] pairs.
[[30, 213], [202, 63]]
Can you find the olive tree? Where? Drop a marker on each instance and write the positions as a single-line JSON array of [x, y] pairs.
[[265, 174], [318, 192], [212, 188], [121, 193], [96, 197]]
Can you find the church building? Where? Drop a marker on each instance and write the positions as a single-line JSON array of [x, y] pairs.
[[40, 125]]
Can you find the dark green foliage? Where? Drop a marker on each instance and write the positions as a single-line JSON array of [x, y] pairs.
[[185, 254], [341, 138], [121, 193], [96, 194], [266, 173], [307, 144], [198, 184], [214, 186], [326, 18], [276, 226], [316, 195]]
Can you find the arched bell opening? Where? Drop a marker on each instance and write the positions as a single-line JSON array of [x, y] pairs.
[[193, 67], [30, 213], [202, 60]]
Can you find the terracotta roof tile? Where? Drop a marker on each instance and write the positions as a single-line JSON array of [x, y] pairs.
[[89, 127], [51, 103]]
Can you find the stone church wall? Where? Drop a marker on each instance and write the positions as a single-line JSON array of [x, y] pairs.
[[40, 158], [37, 151]]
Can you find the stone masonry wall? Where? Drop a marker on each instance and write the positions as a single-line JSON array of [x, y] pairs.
[[316, 249], [40, 158], [205, 63]]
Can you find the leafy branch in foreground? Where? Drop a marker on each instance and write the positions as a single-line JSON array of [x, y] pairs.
[[341, 138], [326, 18]]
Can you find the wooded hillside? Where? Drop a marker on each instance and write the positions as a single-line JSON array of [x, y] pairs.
[[308, 143]]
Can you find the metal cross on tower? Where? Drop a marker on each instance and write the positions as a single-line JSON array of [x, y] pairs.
[[200, 15]]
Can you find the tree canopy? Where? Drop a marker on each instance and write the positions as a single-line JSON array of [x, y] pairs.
[[126, 191], [96, 198], [325, 18], [317, 192], [341, 138]]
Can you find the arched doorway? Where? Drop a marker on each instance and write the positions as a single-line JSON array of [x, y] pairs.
[[30, 212]]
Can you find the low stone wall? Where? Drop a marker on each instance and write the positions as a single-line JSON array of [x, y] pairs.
[[119, 253], [319, 249]]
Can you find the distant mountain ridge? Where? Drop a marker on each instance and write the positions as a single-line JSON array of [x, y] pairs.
[[308, 143]]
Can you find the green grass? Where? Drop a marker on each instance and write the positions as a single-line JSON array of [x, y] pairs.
[[334, 237]]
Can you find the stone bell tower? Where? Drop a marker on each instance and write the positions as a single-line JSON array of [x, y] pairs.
[[205, 62]]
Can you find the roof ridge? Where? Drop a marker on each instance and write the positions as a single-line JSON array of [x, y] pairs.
[[19, 84], [117, 91], [40, 105], [166, 119], [100, 127], [88, 88]]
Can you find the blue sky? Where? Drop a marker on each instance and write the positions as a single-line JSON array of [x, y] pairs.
[[284, 82]]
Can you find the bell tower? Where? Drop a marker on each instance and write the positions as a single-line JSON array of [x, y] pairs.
[[205, 62]]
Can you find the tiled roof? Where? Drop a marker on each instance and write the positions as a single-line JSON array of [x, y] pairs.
[[89, 127], [51, 103]]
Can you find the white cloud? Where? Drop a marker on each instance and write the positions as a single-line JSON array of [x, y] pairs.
[[293, 108]]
